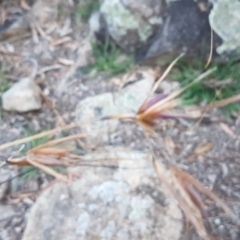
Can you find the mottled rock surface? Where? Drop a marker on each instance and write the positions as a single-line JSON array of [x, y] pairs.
[[127, 202], [128, 100], [131, 23], [155, 28]]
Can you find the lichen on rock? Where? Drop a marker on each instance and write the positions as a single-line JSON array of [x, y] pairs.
[[127, 25], [225, 22]]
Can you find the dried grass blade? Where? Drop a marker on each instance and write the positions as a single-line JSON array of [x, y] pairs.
[[157, 83], [40, 135], [211, 51], [158, 110], [34, 137], [221, 103], [151, 102], [57, 152], [189, 207], [50, 161], [60, 140], [203, 189], [18, 161], [195, 198], [45, 160], [46, 169], [166, 72], [180, 91], [2, 164]]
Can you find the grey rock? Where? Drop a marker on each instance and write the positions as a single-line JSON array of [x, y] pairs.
[[130, 23], [212, 178], [98, 28], [23, 96], [154, 29], [127, 202], [94, 23], [185, 29], [128, 100]]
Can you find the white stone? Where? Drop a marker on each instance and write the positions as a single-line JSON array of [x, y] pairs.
[[217, 221], [23, 96]]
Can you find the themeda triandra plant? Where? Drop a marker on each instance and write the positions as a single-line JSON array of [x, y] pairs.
[[183, 187]]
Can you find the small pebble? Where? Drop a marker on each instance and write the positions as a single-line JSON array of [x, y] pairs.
[[175, 132], [63, 197], [212, 178], [17, 221], [18, 229], [224, 169], [221, 228], [28, 201], [217, 221]]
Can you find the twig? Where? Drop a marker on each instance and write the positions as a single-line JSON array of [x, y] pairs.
[[48, 68], [211, 51]]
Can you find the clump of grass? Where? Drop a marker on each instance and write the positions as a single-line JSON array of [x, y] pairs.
[[223, 83], [86, 8], [30, 172], [108, 58]]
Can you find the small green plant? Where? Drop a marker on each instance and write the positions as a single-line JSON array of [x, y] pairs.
[[108, 58], [86, 8], [3, 82], [30, 172], [223, 83], [4, 85]]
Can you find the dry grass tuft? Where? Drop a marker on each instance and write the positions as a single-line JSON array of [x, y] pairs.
[[49, 154]]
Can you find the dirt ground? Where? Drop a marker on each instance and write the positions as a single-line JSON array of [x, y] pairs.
[[209, 151]]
